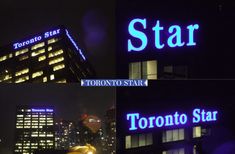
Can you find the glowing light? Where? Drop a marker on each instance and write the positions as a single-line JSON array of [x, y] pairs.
[[136, 121], [35, 39], [174, 36], [75, 45], [137, 34], [201, 115], [42, 110]]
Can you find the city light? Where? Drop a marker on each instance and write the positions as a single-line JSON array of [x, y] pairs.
[[136, 121], [75, 45], [174, 35]]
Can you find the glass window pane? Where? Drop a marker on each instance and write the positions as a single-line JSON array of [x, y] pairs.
[[142, 141], [152, 69], [149, 139], [135, 70], [175, 135], [169, 135], [134, 141], [197, 131], [164, 136], [181, 134]]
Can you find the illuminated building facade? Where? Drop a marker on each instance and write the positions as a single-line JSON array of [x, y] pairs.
[[165, 98], [52, 56], [34, 129], [153, 39], [65, 135], [110, 127]]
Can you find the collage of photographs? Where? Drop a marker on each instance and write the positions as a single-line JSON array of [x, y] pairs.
[[117, 77]]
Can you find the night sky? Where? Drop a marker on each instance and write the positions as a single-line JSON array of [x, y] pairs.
[[91, 22], [69, 101]]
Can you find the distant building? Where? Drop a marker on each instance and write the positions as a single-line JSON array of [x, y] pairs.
[[110, 127], [34, 129], [52, 56], [65, 136]]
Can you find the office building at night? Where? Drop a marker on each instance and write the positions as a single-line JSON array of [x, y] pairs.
[[34, 129], [51, 56], [147, 122]]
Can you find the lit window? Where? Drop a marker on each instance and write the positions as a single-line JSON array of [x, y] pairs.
[[10, 55], [139, 140], [173, 135], [45, 79], [197, 132], [36, 74], [49, 48], [38, 52], [52, 77], [135, 70], [17, 53], [39, 45], [174, 151], [7, 77], [53, 40], [55, 53], [41, 58], [143, 70], [3, 58], [149, 69], [61, 81], [23, 79], [21, 72], [23, 57], [58, 67], [57, 60]]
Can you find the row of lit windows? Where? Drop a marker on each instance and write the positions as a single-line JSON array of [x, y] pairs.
[[36, 74], [173, 135], [2, 58], [23, 51], [43, 57], [143, 70], [133, 141], [139, 140]]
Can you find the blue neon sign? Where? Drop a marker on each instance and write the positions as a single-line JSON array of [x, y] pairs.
[[35, 39], [42, 110], [75, 45], [174, 38], [138, 122]]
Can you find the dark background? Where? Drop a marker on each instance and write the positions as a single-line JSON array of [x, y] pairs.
[[69, 101], [90, 22]]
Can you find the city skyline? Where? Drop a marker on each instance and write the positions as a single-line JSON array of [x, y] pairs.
[[63, 98]]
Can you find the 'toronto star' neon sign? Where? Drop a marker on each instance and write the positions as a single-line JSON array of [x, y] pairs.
[[174, 38], [136, 121], [36, 39]]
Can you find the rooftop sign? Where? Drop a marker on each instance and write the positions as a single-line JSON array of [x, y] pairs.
[[35, 39], [138, 122], [173, 34], [42, 110]]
